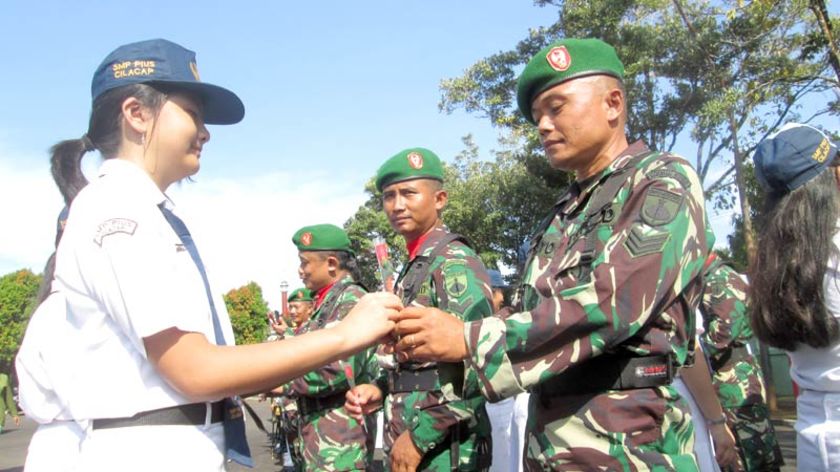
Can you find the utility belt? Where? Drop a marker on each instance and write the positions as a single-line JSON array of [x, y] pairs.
[[194, 414], [310, 405], [610, 372], [413, 380], [733, 355]]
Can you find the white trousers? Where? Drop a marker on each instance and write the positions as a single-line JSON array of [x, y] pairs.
[[818, 431], [54, 447]]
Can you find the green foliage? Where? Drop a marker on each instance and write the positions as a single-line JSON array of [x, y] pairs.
[[17, 302], [247, 310], [722, 73]]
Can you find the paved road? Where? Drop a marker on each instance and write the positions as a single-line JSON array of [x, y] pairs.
[[14, 441]]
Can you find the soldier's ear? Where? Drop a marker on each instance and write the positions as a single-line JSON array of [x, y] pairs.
[[441, 197]]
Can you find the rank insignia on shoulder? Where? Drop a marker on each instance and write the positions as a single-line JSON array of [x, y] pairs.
[[660, 206], [114, 226], [639, 243]]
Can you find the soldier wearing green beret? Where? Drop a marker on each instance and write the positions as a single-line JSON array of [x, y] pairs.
[[301, 306], [434, 416], [330, 440], [611, 284]]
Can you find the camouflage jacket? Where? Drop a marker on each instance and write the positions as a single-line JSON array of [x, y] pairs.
[[633, 294], [330, 439], [457, 283], [736, 374]]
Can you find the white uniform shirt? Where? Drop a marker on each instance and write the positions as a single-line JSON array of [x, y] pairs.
[[125, 276], [819, 369]]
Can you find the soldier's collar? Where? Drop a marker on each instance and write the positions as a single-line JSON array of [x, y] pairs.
[[578, 190], [432, 238]]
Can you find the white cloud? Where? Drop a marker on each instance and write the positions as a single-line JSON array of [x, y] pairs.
[[243, 226]]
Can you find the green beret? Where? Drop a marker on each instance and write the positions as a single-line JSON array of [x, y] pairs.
[[324, 237], [564, 60], [409, 164], [301, 295]]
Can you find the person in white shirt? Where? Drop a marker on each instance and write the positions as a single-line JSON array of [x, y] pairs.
[[795, 289], [130, 362]]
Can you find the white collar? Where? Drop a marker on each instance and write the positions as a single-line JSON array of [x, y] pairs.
[[142, 184]]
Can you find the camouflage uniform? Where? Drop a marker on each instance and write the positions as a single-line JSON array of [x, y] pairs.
[[330, 439], [605, 283], [458, 283], [736, 375]]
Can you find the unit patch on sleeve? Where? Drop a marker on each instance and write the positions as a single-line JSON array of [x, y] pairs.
[[660, 206], [455, 278], [114, 226]]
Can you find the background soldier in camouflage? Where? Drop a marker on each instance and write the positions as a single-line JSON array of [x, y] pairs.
[[301, 306], [434, 417], [330, 439], [613, 279], [736, 375]]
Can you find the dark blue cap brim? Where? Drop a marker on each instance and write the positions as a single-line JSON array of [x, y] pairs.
[[221, 106]]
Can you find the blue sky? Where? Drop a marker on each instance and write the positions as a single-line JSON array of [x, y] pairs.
[[331, 89]]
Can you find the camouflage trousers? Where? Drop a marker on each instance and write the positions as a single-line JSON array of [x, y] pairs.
[[473, 446], [332, 441], [755, 437], [646, 429]]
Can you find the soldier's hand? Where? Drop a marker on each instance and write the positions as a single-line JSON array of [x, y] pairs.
[[405, 457], [429, 334], [370, 319], [362, 400], [726, 453]]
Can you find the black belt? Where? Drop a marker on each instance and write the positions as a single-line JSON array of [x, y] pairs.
[[611, 372], [309, 405], [735, 354], [420, 380], [194, 414]]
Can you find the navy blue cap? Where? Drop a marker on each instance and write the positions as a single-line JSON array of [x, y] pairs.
[[496, 280], [792, 156], [162, 62]]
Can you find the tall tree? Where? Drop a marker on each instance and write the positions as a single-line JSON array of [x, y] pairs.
[[17, 301], [247, 310]]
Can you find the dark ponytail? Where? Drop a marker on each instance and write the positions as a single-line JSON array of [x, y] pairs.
[[104, 134], [788, 271]]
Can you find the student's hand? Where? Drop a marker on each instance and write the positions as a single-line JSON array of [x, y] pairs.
[[429, 334], [726, 453], [370, 320], [362, 400], [405, 457]]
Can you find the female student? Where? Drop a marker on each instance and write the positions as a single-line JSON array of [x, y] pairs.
[[795, 276], [139, 356]]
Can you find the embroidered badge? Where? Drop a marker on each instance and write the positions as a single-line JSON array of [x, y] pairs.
[[822, 151], [660, 207], [638, 243], [114, 226], [415, 160], [559, 59], [306, 238], [455, 278]]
